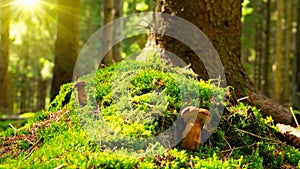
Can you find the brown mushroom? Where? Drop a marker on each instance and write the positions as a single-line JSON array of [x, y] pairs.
[[82, 98], [194, 119]]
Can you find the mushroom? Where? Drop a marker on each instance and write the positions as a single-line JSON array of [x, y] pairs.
[[82, 98], [194, 119]]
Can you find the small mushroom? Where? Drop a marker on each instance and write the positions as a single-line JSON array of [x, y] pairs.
[[82, 98], [194, 119]]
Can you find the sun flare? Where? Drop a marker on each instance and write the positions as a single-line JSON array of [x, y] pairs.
[[28, 7], [28, 3]]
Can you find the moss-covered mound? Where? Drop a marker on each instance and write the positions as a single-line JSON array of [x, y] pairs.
[[131, 102]]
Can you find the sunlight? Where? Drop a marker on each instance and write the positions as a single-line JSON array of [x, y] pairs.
[[31, 4], [28, 5]]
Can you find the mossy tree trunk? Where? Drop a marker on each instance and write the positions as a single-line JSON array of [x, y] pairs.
[[221, 22], [66, 46]]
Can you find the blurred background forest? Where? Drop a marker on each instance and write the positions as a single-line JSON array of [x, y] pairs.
[[38, 36]]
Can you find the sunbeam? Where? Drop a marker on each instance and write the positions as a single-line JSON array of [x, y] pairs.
[[29, 8]]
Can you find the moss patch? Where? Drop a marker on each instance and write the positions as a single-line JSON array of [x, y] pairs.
[[141, 100]]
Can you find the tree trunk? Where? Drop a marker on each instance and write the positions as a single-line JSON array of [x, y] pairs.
[[12, 92], [258, 55], [42, 92], [267, 67], [24, 100], [108, 16], [221, 22], [288, 53], [66, 46], [4, 53], [117, 49], [279, 39], [296, 81]]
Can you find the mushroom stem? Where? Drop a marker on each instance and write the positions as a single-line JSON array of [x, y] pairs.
[[194, 119], [82, 98]]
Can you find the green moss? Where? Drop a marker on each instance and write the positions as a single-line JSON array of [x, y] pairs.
[[140, 100], [147, 97], [62, 99]]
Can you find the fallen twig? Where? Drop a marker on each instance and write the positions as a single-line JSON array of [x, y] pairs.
[[254, 135], [243, 98], [291, 109], [229, 147], [31, 149], [236, 148], [60, 166], [13, 127], [15, 130], [16, 154]]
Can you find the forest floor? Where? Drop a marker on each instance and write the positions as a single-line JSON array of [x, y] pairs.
[[70, 135]]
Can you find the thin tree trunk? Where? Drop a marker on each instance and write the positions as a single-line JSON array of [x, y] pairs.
[[221, 22], [259, 55], [267, 65], [108, 16], [288, 53], [296, 81], [24, 102], [4, 54], [32, 94], [66, 46], [117, 50], [279, 39], [42, 88], [12, 92]]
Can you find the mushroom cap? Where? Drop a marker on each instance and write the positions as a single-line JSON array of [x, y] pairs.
[[191, 113], [80, 84]]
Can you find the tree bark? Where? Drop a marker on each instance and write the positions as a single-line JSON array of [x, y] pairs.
[[267, 67], [279, 39], [108, 16], [258, 56], [296, 78], [42, 93], [117, 49], [4, 53], [221, 22], [287, 86], [24, 102], [66, 46]]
